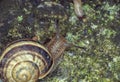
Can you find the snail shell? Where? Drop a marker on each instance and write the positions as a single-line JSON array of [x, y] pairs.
[[25, 61]]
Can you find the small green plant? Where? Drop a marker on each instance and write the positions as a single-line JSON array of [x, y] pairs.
[[20, 18]]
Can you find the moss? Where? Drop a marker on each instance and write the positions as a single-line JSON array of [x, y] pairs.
[[99, 62]]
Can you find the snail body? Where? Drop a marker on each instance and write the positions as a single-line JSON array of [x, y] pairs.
[[28, 61]]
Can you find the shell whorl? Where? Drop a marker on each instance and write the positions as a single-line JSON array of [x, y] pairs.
[[25, 61]]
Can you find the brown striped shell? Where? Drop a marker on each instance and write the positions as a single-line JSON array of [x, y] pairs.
[[28, 61], [25, 61]]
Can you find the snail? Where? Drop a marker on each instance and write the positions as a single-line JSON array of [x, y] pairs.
[[28, 60]]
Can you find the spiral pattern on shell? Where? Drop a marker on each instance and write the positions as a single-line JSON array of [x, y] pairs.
[[25, 61]]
